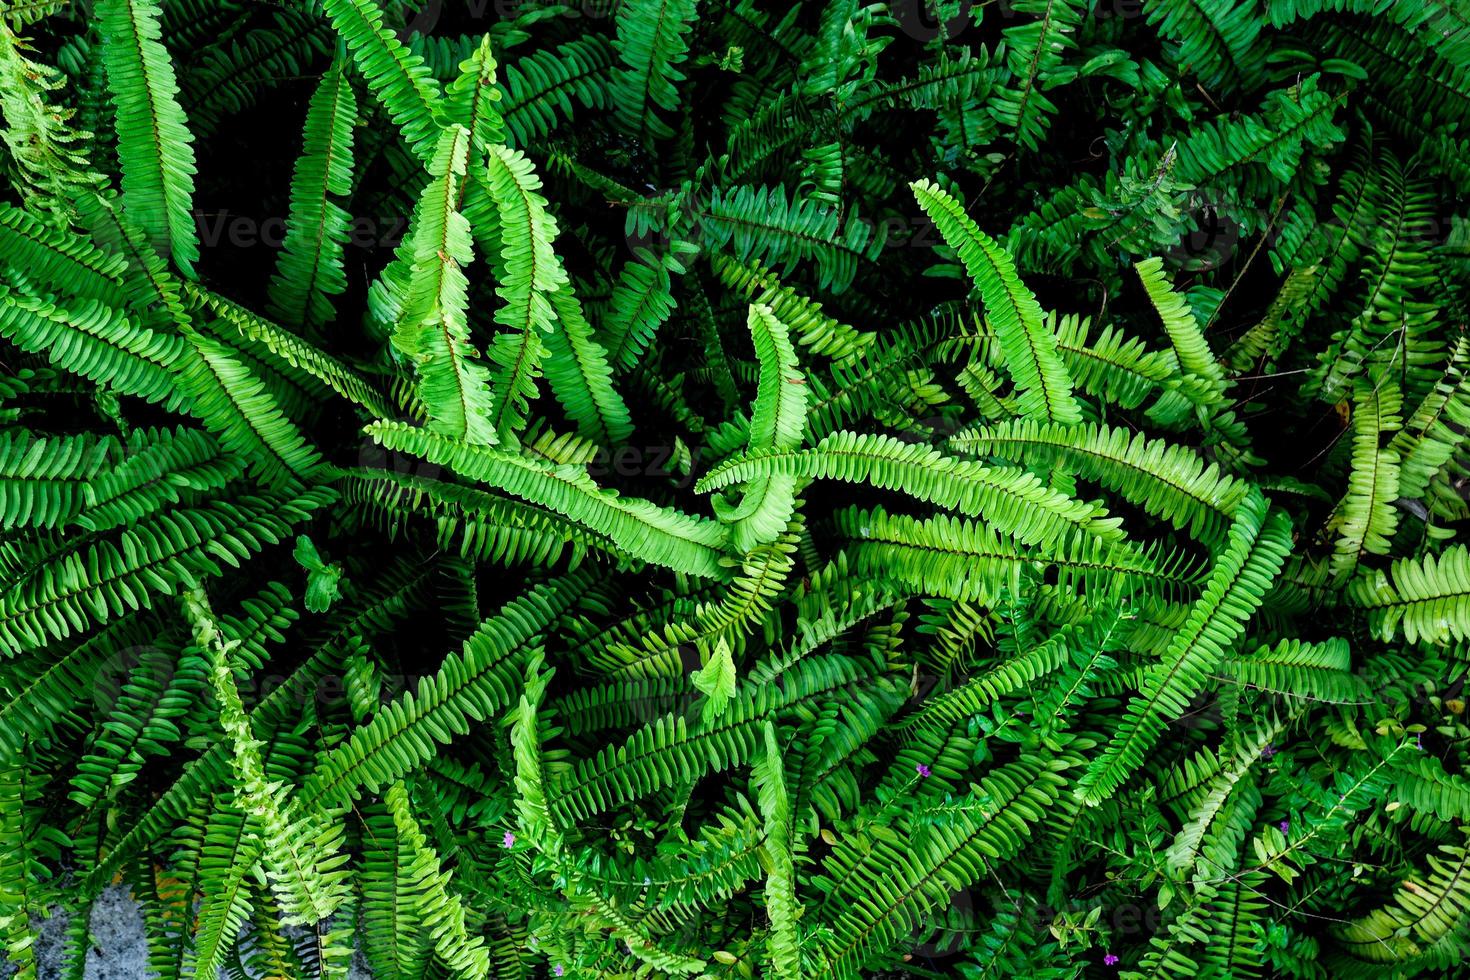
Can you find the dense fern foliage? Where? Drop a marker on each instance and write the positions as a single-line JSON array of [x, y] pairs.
[[722, 488]]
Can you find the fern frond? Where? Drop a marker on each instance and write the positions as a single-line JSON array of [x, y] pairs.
[[470, 685], [1015, 501], [431, 300], [397, 76], [1166, 480], [1258, 544], [309, 270], [155, 147], [44, 482], [651, 43], [784, 942], [644, 530], [1030, 349], [1366, 518], [1427, 598]]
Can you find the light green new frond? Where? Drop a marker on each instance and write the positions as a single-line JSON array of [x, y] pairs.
[[784, 941], [1366, 519], [1014, 501], [779, 416], [528, 272], [532, 809], [1258, 544], [309, 270], [441, 910], [716, 681], [305, 871], [155, 147], [51, 165], [1427, 598], [1030, 348], [1166, 480], [777, 422], [431, 328], [1184, 332], [397, 590], [472, 101], [527, 265], [643, 529]]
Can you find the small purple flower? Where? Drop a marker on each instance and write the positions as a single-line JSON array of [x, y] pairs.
[[1285, 825], [558, 970], [508, 840], [1268, 752], [1110, 960], [922, 770], [1419, 741]]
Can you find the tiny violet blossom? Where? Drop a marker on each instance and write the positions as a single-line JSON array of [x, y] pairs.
[[1285, 825], [1110, 960], [558, 970], [1419, 741], [1268, 752], [508, 840], [922, 770]]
